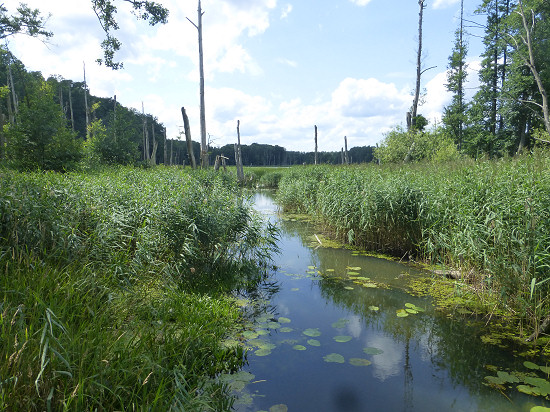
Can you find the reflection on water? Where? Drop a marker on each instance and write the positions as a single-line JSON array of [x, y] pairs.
[[331, 323]]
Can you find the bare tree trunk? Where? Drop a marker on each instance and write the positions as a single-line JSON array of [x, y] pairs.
[[204, 148], [165, 154], [155, 145], [12, 89], [316, 159], [238, 154], [346, 157], [146, 155], [187, 130], [86, 104], [114, 120], [2, 136], [71, 105], [342, 155], [171, 152]]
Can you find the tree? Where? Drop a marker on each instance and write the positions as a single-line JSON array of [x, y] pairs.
[[40, 137], [26, 21], [204, 147], [106, 10], [526, 38], [454, 116]]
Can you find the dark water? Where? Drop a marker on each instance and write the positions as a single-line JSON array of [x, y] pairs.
[[422, 362]]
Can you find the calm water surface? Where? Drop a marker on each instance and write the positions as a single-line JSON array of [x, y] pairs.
[[327, 343]]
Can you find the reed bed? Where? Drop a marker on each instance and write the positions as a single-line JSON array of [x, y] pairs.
[[115, 288], [490, 219]]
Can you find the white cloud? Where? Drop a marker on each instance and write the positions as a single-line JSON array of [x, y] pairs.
[[361, 2], [286, 11], [440, 4]]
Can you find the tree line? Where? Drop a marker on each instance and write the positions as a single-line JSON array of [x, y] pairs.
[[509, 112]]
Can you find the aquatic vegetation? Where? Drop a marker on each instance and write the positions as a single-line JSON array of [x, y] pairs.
[[528, 382], [359, 362], [488, 219], [312, 332], [299, 347], [313, 342], [373, 351], [334, 358], [342, 338]]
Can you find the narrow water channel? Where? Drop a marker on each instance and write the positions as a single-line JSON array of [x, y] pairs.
[[328, 336]]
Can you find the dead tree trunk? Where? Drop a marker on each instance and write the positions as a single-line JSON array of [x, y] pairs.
[[238, 154], [187, 130], [86, 104], [171, 152], [346, 157], [2, 136], [145, 135], [316, 159], [204, 148], [165, 154], [153, 160], [71, 105]]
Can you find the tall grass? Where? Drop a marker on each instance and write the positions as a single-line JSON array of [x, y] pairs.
[[114, 288], [491, 219]]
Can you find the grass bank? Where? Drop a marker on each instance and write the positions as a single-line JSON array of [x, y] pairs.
[[115, 288], [490, 219]]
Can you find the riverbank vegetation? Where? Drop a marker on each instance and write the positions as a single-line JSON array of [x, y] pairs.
[[116, 287], [488, 219]]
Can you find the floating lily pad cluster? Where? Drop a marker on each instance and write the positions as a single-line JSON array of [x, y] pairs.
[[410, 309], [529, 382]]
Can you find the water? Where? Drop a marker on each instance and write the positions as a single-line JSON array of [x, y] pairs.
[[423, 362]]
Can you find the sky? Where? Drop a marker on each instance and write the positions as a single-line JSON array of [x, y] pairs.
[[279, 66]]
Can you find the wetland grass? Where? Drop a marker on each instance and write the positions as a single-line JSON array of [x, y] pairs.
[[489, 219], [115, 288]]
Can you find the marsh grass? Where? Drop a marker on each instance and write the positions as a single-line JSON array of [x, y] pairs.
[[490, 219], [114, 288]]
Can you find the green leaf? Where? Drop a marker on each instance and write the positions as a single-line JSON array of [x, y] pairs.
[[314, 342], [343, 338], [530, 365], [334, 358], [373, 351], [299, 347], [283, 320], [402, 313], [359, 362], [262, 352], [311, 332], [341, 323]]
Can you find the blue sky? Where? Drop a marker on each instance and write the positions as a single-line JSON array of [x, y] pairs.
[[280, 67]]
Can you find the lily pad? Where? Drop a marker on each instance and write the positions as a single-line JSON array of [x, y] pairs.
[[248, 334], [539, 409], [262, 344], [348, 288], [334, 358], [262, 352], [353, 273], [329, 270], [507, 377], [402, 313], [262, 332], [286, 330], [370, 285], [299, 347], [359, 362], [343, 338], [312, 332], [341, 323], [283, 320], [374, 308], [311, 267], [273, 325], [294, 289], [373, 351], [313, 342], [354, 268], [279, 408], [411, 311]]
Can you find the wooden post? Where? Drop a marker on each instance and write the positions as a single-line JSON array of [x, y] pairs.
[[165, 155], [316, 144], [86, 104], [346, 157], [238, 154], [187, 130]]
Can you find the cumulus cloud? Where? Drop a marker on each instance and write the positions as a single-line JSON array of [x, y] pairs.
[[286, 11], [361, 2]]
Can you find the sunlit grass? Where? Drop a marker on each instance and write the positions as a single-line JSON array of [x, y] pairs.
[[490, 219], [114, 288]]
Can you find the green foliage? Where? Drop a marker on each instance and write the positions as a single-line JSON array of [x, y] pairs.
[[114, 294], [489, 219], [26, 21], [433, 145], [40, 139]]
